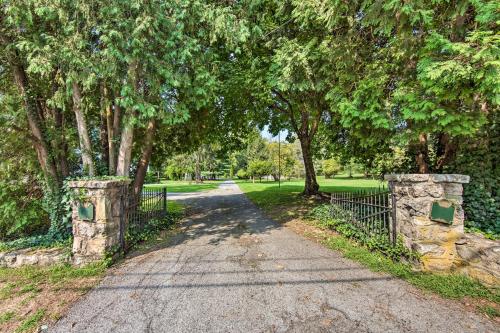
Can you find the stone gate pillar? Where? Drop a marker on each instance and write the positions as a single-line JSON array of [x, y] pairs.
[[99, 218], [429, 216]]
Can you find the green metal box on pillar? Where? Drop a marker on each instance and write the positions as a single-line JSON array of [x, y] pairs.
[[86, 212], [443, 211]]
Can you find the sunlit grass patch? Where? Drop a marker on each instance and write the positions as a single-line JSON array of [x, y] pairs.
[[184, 186]]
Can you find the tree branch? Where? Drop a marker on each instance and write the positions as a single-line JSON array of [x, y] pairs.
[[290, 109]]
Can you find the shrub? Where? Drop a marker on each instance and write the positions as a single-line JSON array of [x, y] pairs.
[[380, 243], [260, 168], [21, 210], [331, 167], [173, 172], [242, 174]]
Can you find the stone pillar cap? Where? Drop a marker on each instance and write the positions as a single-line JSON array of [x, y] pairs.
[[96, 183], [424, 177]]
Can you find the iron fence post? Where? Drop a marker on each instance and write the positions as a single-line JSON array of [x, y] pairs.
[[165, 200], [393, 218]]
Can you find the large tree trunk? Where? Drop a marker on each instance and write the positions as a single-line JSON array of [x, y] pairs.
[[127, 134], [125, 151], [33, 111], [113, 120], [311, 186], [422, 154], [446, 151], [83, 134], [61, 145], [104, 139], [104, 127], [142, 167], [197, 167]]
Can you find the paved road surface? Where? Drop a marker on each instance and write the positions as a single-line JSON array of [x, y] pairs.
[[234, 270]]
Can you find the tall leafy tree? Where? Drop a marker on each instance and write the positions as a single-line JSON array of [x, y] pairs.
[[283, 71]]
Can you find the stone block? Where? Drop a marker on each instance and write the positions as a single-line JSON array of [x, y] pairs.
[[442, 259], [426, 190], [38, 257], [99, 184], [453, 189], [409, 177], [423, 248], [437, 234], [85, 229], [449, 178], [96, 246], [103, 208]]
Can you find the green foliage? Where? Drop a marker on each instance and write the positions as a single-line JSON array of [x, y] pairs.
[[135, 235], [490, 311], [150, 177], [173, 172], [132, 62], [379, 243], [331, 167], [283, 159], [58, 207], [482, 206], [31, 321], [21, 210], [7, 316], [364, 76], [41, 241], [242, 174], [259, 168], [479, 158]]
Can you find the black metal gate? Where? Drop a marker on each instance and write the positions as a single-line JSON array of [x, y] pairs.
[[373, 212], [152, 204]]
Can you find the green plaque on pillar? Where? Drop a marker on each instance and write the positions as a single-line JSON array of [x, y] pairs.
[[443, 211], [86, 212]]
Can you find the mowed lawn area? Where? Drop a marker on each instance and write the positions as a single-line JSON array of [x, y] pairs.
[[177, 186], [267, 194]]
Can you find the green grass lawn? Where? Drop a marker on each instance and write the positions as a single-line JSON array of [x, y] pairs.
[[267, 194], [178, 186]]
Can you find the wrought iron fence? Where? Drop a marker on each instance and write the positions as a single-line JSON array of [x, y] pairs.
[[370, 211], [152, 204]]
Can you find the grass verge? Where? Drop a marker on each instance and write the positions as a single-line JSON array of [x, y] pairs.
[[32, 295], [446, 285], [184, 187]]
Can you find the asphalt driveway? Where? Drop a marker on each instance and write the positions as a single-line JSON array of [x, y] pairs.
[[231, 269]]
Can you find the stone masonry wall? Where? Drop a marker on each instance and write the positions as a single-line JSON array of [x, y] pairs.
[[33, 257], [93, 239], [479, 258], [434, 241]]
